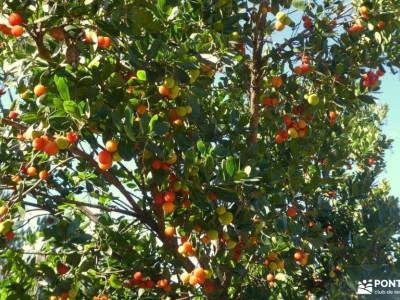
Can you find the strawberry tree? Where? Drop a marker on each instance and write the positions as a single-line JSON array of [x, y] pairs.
[[195, 149]]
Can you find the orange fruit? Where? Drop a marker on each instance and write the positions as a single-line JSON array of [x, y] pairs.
[[187, 246], [39, 90], [111, 146], [169, 231], [89, 37], [270, 277], [200, 274], [15, 19], [276, 81], [43, 175], [279, 26], [105, 157], [17, 30], [104, 167], [163, 90], [298, 255], [193, 280], [141, 109], [138, 276], [31, 171], [168, 207]]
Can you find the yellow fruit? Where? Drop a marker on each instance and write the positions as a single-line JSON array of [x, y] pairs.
[[5, 226], [62, 142], [231, 244], [280, 264], [3, 211], [273, 266], [313, 99], [116, 156], [293, 132], [72, 293], [220, 210], [226, 236], [226, 218], [332, 274], [172, 158], [185, 278]]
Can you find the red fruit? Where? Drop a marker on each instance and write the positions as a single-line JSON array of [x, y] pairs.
[[103, 41], [211, 196], [279, 139], [209, 286], [15, 19], [291, 212], [305, 68], [298, 255], [17, 30], [72, 137], [158, 199], [287, 120], [267, 101], [138, 276], [4, 29], [62, 269], [172, 178], [105, 157], [50, 148], [169, 196], [371, 161], [38, 143], [149, 283], [10, 235], [12, 114], [166, 167], [156, 164]]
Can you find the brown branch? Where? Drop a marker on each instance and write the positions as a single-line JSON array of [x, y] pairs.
[[256, 72]]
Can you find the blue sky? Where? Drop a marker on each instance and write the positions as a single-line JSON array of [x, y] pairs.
[[391, 96]]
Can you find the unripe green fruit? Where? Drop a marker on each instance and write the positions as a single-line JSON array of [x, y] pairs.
[[169, 83], [5, 226], [212, 235], [174, 92], [281, 16], [226, 218], [177, 186], [181, 111], [188, 109], [62, 142], [193, 75], [235, 36]]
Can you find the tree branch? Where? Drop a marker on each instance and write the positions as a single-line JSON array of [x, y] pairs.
[[256, 72]]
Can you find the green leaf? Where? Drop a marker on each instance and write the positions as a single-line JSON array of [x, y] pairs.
[[141, 75], [230, 166], [29, 118], [71, 108], [299, 4], [201, 146], [115, 282], [62, 87]]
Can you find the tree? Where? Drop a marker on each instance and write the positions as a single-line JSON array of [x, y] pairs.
[[189, 149]]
